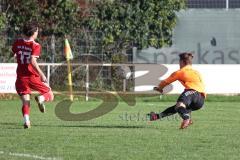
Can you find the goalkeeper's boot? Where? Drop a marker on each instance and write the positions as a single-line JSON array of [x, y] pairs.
[[153, 116], [27, 125], [185, 123], [41, 105]]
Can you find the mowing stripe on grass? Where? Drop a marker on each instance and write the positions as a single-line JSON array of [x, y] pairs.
[[29, 156]]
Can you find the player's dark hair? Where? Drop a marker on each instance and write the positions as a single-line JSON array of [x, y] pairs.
[[29, 28], [186, 57]]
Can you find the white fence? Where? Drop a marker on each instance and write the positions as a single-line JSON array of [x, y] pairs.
[[219, 79]]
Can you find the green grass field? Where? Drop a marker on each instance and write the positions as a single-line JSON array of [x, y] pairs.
[[122, 134]]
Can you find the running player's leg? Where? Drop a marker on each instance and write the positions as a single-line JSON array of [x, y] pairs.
[[44, 97], [45, 91], [183, 101], [26, 110], [187, 103], [197, 103], [23, 90], [181, 108], [167, 112]]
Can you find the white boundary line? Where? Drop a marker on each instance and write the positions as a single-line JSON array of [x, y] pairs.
[[28, 156]]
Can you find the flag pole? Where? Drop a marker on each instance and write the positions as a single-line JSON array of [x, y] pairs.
[[68, 54], [70, 79]]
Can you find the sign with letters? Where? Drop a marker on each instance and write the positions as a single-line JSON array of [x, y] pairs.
[[7, 77]]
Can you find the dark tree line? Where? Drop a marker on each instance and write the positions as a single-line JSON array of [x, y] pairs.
[[122, 24]]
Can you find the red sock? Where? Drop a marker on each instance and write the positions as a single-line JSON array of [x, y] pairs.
[[25, 109], [48, 96]]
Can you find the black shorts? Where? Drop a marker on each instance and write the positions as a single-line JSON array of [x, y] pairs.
[[192, 99]]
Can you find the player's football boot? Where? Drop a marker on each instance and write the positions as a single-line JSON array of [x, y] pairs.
[[41, 106], [153, 116], [27, 125], [185, 123]]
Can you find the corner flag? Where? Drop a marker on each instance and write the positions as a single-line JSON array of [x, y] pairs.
[[69, 56], [67, 50]]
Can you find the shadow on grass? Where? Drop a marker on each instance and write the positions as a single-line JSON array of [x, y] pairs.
[[8, 123], [11, 125], [92, 126]]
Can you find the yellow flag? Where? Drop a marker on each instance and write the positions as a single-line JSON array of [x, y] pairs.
[[67, 50]]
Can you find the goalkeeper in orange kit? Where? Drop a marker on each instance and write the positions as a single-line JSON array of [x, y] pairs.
[[191, 99]]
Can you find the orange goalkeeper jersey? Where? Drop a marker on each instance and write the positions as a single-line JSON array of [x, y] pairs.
[[189, 78]]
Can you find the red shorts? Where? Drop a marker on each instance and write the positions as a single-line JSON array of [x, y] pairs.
[[24, 85]]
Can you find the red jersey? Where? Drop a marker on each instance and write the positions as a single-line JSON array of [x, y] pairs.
[[24, 50]]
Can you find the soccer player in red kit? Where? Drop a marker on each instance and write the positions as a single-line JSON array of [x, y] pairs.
[[29, 75]]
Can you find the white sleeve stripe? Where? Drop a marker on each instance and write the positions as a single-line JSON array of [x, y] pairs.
[[35, 56]]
